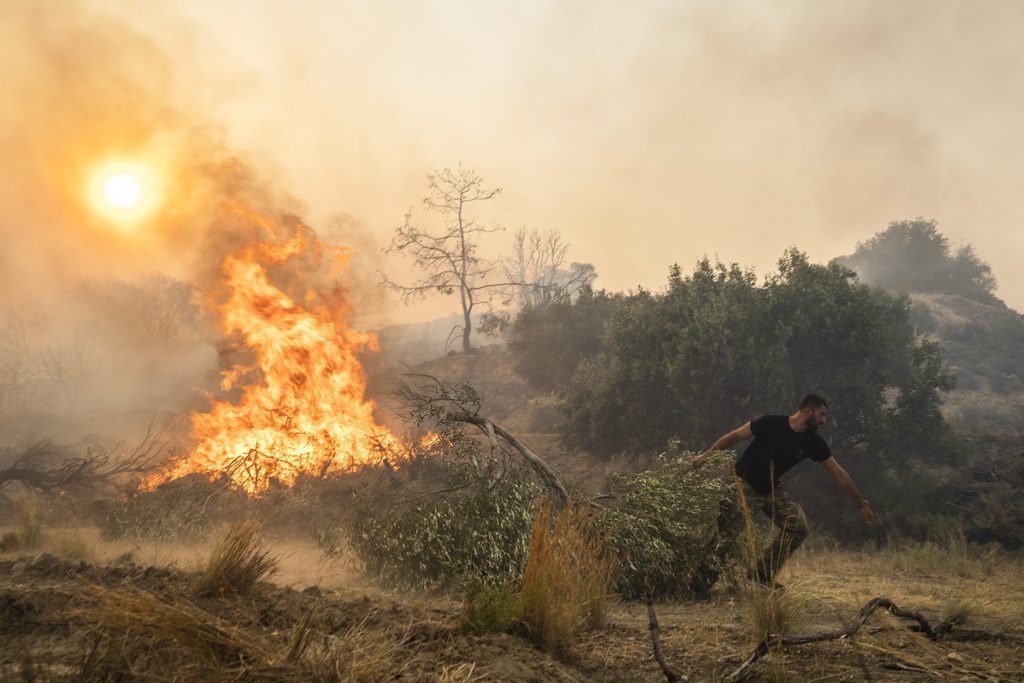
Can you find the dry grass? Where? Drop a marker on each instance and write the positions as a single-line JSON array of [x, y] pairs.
[[207, 638], [568, 577], [31, 514], [237, 563], [460, 673], [74, 546], [210, 647], [360, 654]]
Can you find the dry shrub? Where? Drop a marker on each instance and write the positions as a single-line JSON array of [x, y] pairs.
[[568, 577], [31, 513], [776, 611], [74, 547], [238, 562]]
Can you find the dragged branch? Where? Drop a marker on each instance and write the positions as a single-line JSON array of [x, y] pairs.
[[445, 403]]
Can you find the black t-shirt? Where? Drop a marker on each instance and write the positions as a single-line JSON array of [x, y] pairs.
[[776, 449]]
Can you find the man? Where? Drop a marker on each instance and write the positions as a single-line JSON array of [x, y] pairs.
[[781, 442]]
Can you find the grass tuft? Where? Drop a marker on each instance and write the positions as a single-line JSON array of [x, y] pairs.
[[958, 611], [568, 577], [237, 564], [776, 612], [31, 513]]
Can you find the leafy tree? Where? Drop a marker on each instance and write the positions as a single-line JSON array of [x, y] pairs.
[[716, 349], [683, 363], [550, 340], [843, 340], [912, 256]]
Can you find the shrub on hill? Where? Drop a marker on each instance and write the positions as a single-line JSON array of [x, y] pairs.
[[913, 256]]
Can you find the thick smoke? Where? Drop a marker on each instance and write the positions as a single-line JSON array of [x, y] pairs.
[[105, 327]]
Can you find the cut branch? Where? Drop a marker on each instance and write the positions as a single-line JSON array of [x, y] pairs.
[[548, 475]]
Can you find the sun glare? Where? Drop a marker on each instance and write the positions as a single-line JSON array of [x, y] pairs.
[[124, 192]]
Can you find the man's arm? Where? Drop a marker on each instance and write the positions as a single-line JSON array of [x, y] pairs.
[[735, 436], [845, 483]]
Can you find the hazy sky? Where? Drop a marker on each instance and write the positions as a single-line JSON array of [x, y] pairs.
[[647, 133]]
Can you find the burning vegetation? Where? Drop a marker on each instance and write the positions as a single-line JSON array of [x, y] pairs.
[[302, 407]]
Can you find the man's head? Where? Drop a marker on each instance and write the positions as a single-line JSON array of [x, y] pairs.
[[814, 411]]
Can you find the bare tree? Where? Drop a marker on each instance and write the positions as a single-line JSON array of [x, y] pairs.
[[538, 266], [449, 258]]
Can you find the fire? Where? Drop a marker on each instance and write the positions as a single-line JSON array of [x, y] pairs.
[[305, 412]]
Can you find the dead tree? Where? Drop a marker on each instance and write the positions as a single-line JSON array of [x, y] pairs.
[[449, 257], [41, 467], [444, 403]]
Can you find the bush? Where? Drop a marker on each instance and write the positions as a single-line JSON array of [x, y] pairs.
[[548, 341], [665, 524], [181, 508], [491, 609], [479, 532]]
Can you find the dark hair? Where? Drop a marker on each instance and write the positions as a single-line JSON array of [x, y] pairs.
[[813, 401]]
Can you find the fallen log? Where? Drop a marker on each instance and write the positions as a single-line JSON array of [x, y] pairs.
[[652, 622], [763, 647]]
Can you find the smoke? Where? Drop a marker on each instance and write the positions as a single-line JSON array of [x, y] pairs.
[[654, 132], [106, 325]]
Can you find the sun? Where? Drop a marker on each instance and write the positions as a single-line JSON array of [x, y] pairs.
[[124, 192]]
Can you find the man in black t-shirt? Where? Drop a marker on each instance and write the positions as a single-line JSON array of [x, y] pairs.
[[781, 442]]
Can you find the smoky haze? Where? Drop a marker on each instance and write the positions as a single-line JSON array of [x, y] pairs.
[[647, 135], [651, 132]]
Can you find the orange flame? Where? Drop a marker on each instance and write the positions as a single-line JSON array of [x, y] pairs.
[[306, 413]]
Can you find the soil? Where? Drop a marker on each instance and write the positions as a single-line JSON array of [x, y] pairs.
[[44, 630]]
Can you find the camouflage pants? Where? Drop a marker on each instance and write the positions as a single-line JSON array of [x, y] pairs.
[[784, 512]]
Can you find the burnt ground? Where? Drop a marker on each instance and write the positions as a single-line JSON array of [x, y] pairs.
[[64, 620]]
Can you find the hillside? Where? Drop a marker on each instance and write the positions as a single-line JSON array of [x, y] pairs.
[[983, 343]]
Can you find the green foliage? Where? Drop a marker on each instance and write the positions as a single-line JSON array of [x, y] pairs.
[[489, 608], [912, 256], [550, 340], [665, 524], [716, 349], [481, 531], [843, 340]]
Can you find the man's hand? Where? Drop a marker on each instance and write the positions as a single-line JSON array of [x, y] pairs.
[[866, 514], [699, 460]]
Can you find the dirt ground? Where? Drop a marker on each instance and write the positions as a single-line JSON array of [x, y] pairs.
[[52, 628]]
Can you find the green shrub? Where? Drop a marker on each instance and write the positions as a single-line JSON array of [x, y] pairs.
[[665, 524], [480, 530], [490, 609]]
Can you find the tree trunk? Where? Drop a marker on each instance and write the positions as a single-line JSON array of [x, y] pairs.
[[467, 328]]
